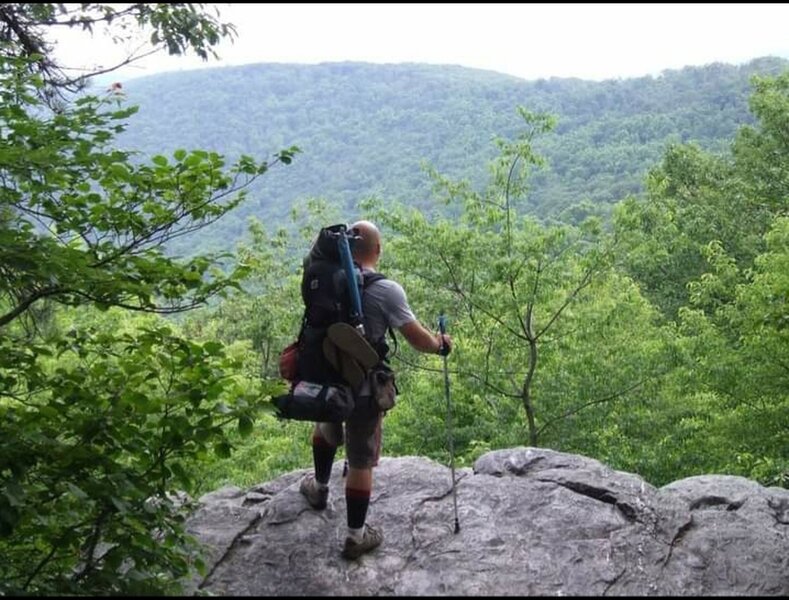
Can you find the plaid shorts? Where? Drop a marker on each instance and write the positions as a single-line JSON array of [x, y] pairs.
[[361, 436]]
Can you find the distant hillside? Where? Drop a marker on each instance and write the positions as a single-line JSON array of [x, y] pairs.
[[365, 129]]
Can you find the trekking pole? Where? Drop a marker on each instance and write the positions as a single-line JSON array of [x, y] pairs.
[[442, 327], [353, 284]]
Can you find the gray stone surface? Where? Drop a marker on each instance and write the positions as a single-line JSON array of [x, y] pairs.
[[532, 522]]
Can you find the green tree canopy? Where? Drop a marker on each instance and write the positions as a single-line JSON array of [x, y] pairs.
[[101, 420]]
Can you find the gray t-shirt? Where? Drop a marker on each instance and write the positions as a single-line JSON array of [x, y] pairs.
[[385, 305]]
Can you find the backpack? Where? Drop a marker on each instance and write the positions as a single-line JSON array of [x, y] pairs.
[[327, 299], [319, 391]]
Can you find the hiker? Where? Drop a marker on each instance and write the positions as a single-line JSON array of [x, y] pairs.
[[384, 306]]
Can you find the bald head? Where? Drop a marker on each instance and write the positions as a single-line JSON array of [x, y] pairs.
[[367, 250]]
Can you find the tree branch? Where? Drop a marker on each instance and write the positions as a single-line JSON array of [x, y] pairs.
[[581, 407]]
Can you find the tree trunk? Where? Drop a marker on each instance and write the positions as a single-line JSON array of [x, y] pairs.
[[526, 390]]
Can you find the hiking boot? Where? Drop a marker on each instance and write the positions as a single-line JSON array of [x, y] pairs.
[[316, 495], [371, 540]]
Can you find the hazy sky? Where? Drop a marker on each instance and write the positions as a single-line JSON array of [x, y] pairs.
[[589, 41]]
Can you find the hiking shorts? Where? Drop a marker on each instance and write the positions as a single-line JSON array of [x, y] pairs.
[[361, 436]]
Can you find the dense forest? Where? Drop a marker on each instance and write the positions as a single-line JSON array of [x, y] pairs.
[[371, 130], [613, 259]]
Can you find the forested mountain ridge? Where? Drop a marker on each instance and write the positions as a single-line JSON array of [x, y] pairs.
[[366, 130], [652, 342]]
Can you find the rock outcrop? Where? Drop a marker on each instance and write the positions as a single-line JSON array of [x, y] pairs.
[[532, 522]]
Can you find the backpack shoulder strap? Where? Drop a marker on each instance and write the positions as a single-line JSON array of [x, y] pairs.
[[370, 278], [367, 280]]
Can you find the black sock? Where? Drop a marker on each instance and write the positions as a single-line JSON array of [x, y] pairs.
[[357, 502], [323, 458]]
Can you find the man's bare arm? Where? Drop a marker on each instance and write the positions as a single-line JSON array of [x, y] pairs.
[[422, 339]]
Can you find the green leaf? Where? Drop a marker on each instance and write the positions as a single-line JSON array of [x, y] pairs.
[[120, 171], [49, 412], [245, 425], [120, 504], [213, 348], [181, 473], [223, 449], [76, 491], [14, 492]]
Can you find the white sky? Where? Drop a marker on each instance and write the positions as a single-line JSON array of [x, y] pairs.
[[589, 41]]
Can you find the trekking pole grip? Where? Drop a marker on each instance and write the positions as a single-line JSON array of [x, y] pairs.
[[442, 328]]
